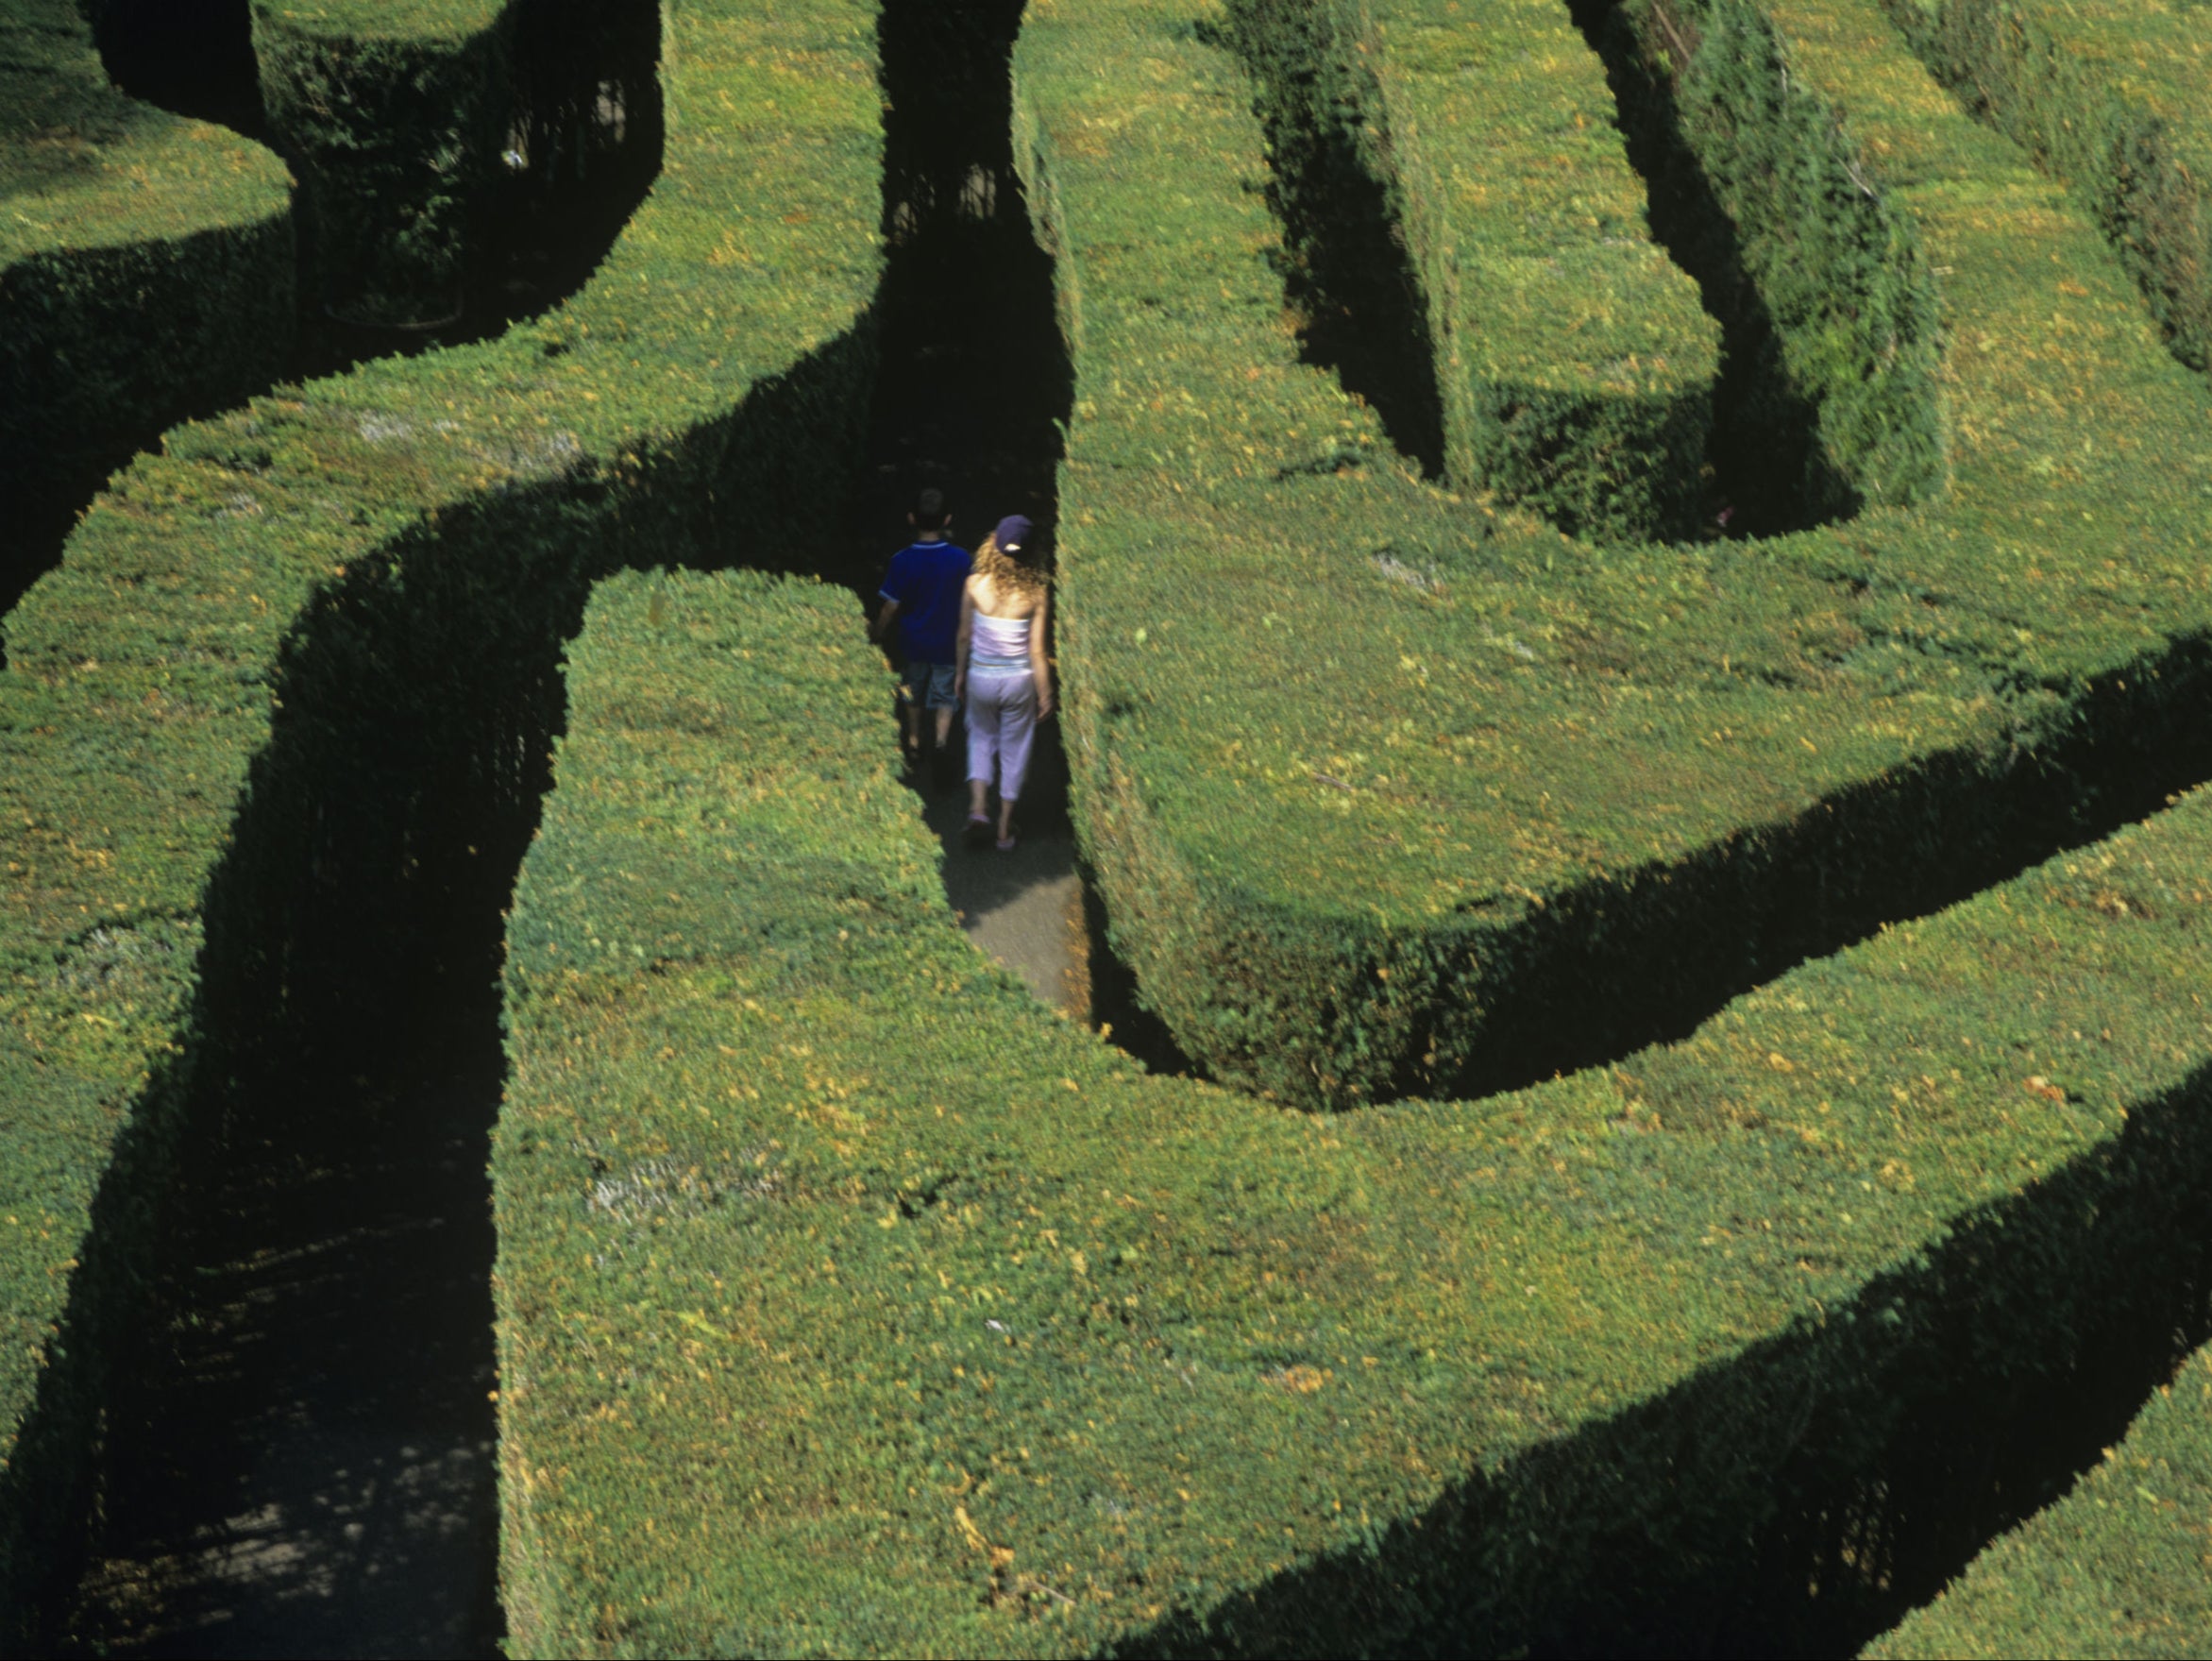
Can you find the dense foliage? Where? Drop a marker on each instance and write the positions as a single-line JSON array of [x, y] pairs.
[[1386, 794], [2113, 98], [1573, 362], [851, 1302], [273, 651], [2116, 1569], [146, 260], [395, 115]]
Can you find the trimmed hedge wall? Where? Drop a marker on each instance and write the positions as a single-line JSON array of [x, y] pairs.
[[396, 117], [852, 1302], [2113, 98], [1574, 365], [2114, 1568], [272, 654], [1387, 795], [145, 262]]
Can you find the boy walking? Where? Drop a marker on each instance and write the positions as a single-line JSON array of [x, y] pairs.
[[921, 594]]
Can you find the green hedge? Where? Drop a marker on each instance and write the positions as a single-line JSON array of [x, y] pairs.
[[280, 655], [396, 116], [145, 263], [2114, 1568], [1574, 364], [2113, 98], [852, 1302], [1386, 794]]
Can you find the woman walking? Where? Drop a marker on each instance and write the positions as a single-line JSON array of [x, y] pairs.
[[1002, 673]]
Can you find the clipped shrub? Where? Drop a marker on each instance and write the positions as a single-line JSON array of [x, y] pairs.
[[1390, 795], [1574, 365], [396, 118], [852, 1302], [2111, 97], [2117, 1567], [145, 267], [280, 657]]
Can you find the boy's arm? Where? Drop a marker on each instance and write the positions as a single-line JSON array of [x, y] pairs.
[[882, 626]]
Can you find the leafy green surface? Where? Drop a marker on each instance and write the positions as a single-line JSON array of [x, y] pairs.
[[82, 168], [852, 1302], [395, 117], [366, 560], [1574, 364], [1377, 783], [2114, 1568], [2115, 97], [146, 260]]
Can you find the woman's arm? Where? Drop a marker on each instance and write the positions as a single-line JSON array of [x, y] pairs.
[[1040, 665], [967, 635]]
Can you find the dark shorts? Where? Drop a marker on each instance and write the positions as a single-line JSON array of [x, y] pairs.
[[930, 685]]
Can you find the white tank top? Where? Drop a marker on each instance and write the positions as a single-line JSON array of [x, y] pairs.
[[999, 644]]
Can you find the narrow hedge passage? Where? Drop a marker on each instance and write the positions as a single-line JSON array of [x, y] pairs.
[[901, 1316], [294, 669], [1461, 802]]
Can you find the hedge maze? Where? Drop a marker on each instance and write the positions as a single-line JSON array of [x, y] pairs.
[[1703, 1123], [145, 268]]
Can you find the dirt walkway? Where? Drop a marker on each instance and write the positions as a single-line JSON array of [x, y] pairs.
[[1025, 908]]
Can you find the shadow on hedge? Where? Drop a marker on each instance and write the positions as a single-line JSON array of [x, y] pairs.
[[1803, 1497], [356, 921]]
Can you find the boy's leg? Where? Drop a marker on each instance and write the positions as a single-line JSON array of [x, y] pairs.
[[913, 689], [943, 705]]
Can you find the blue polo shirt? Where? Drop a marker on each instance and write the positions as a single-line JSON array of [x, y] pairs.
[[925, 578]]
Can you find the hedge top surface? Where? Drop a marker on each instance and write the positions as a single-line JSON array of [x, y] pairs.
[[1447, 720], [2114, 1568], [850, 1301], [380, 20], [83, 167], [141, 672], [2153, 54], [1511, 115]]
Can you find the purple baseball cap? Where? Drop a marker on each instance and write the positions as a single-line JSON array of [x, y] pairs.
[[1012, 532]]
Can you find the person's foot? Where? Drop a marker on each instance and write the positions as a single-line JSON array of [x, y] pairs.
[[1006, 839], [978, 830]]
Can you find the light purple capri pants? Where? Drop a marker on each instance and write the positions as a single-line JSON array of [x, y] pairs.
[[1002, 725]]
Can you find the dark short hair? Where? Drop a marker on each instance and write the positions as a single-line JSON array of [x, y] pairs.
[[929, 511]]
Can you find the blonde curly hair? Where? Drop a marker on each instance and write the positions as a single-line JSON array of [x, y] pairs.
[[1009, 569]]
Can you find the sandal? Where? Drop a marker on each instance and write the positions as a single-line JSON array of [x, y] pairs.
[[978, 830], [1007, 842]]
